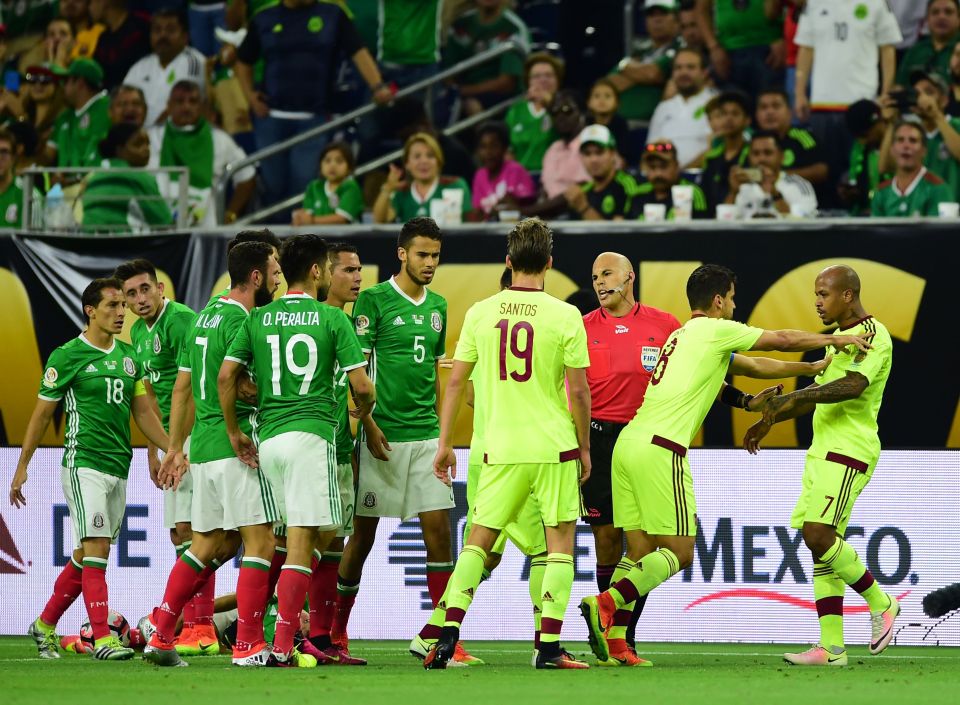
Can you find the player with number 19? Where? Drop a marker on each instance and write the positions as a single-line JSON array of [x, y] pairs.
[[100, 383], [291, 347]]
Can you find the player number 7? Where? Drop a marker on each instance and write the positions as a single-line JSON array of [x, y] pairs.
[[829, 502]]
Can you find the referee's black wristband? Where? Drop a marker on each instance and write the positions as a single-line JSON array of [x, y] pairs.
[[731, 396]]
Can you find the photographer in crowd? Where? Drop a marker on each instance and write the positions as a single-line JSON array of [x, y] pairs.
[[764, 190]]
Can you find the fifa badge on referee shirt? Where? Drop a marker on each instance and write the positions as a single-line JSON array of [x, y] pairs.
[[649, 355]]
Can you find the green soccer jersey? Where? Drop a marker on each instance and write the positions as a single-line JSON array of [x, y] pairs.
[[639, 102], [743, 23], [687, 377], [404, 339], [850, 427], [531, 133], [923, 57], [522, 341], [97, 388], [291, 347], [407, 203], [219, 295], [921, 197], [344, 438], [941, 162], [409, 31], [11, 205], [202, 354], [345, 200], [158, 350], [123, 200], [469, 36], [77, 133]]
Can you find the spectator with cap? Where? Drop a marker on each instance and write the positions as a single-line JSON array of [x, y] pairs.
[[124, 41], [801, 153], [731, 113], [745, 42], [941, 132], [913, 190], [661, 170], [683, 118], [187, 139], [86, 119], [128, 200], [127, 104], [562, 166], [867, 127], [484, 27], [39, 102], [932, 52], [300, 43], [172, 61], [640, 78], [11, 186], [840, 47], [765, 190], [531, 129], [500, 182], [607, 196]]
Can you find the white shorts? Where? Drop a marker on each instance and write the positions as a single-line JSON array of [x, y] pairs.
[[348, 498], [404, 486], [178, 503], [96, 502], [302, 470], [228, 494]]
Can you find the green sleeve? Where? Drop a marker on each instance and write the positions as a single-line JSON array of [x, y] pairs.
[[441, 349], [351, 201], [180, 327], [240, 349], [183, 359], [365, 317], [154, 207], [938, 194], [311, 198], [57, 375], [876, 204], [575, 355], [349, 354]]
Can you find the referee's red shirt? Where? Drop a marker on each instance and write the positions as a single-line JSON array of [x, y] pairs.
[[623, 353]]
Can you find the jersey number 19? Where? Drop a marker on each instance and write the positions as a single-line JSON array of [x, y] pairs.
[[524, 353]]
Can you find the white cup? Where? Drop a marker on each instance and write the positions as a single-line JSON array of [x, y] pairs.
[[797, 210], [654, 212], [728, 211], [948, 209], [454, 200], [682, 195], [509, 216]]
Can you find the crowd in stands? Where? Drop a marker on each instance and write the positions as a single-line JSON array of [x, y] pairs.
[[730, 109]]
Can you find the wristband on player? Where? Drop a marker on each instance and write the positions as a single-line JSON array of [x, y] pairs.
[[731, 396]]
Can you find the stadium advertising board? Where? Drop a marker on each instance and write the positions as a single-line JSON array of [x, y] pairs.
[[750, 581]]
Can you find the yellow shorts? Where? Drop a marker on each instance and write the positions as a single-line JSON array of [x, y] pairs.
[[526, 531], [505, 489], [830, 487]]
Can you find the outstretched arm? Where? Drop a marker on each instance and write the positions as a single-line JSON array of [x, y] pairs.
[[769, 368]]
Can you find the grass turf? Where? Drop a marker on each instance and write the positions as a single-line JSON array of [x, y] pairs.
[[684, 673]]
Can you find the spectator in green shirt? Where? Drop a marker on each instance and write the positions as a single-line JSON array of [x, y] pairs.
[[335, 198], [867, 127], [745, 41], [913, 190], [941, 131], [86, 120], [641, 77], [531, 128], [11, 187], [124, 201], [488, 25], [932, 52], [412, 194]]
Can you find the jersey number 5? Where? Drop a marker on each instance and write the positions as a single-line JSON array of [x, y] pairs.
[[524, 353]]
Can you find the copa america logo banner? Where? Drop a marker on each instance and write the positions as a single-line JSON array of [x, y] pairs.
[[750, 580]]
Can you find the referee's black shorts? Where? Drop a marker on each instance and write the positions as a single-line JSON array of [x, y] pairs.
[[597, 490]]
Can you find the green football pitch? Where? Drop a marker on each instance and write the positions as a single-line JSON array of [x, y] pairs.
[[683, 673]]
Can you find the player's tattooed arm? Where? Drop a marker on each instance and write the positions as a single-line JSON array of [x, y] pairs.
[[804, 401], [246, 389]]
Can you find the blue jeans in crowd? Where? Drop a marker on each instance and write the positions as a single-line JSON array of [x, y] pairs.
[[749, 71], [289, 172], [203, 20]]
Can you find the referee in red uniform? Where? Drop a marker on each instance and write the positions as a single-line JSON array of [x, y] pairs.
[[624, 340]]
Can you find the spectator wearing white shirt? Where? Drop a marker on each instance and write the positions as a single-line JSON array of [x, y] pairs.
[[172, 61], [682, 119], [765, 190], [840, 43], [187, 139]]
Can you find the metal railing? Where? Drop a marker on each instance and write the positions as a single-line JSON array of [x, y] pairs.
[[220, 185], [379, 162], [36, 216]]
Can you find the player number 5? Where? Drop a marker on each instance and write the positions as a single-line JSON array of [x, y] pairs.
[[419, 352]]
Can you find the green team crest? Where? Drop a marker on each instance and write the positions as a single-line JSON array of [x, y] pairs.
[[788, 158], [315, 24], [607, 205], [861, 11]]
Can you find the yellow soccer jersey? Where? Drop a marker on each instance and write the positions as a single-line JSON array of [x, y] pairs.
[[688, 375], [850, 427], [521, 341]]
